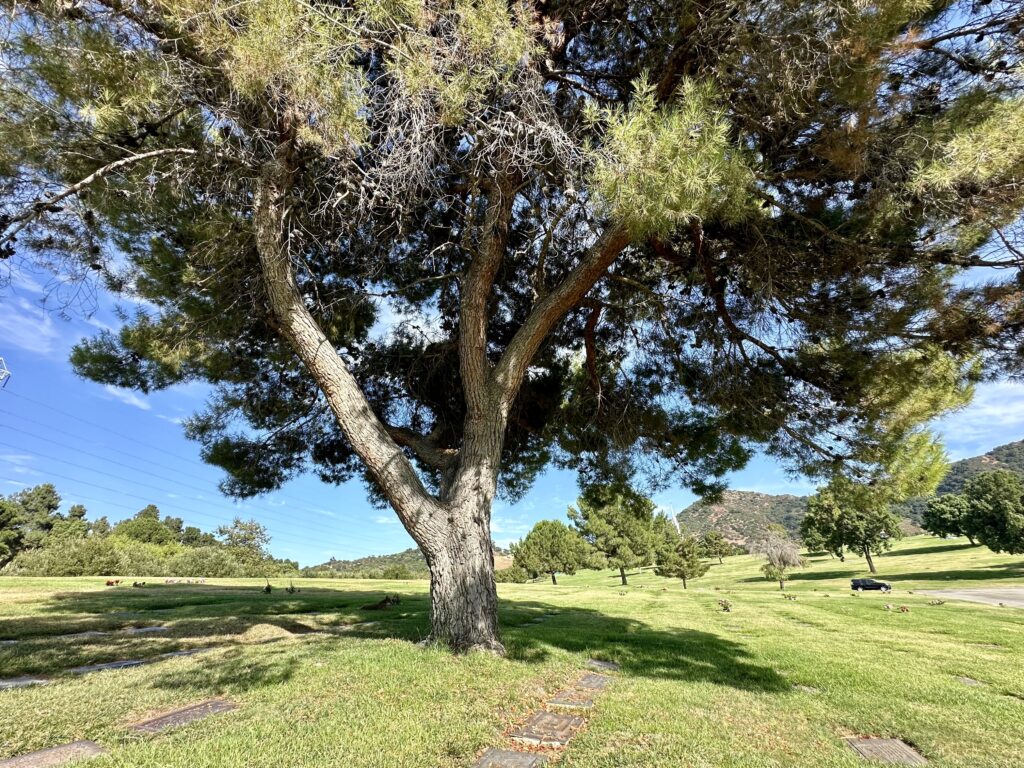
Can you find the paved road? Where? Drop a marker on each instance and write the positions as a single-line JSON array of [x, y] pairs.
[[1009, 596]]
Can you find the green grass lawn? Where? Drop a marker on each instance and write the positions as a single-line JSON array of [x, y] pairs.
[[698, 687]]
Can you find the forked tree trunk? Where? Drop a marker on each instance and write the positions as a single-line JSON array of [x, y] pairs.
[[867, 556], [622, 575], [973, 542]]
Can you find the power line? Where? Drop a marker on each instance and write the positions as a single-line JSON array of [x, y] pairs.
[[148, 500], [176, 481], [121, 435]]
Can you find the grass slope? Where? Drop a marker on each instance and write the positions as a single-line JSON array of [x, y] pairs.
[[698, 687]]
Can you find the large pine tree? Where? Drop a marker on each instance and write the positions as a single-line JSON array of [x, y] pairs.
[[629, 237]]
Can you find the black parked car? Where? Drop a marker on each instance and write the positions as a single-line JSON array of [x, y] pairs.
[[861, 584]]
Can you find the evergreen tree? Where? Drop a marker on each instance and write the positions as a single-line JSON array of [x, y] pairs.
[[737, 214], [996, 510], [146, 527], [617, 522], [713, 544], [551, 547], [681, 559], [26, 518]]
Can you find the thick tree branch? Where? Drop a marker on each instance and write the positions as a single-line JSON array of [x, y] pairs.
[[546, 313], [426, 449], [476, 289], [367, 435]]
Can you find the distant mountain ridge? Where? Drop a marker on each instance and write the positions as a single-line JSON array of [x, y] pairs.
[[742, 516], [411, 559]]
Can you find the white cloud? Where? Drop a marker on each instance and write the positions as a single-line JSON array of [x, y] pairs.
[[172, 419], [18, 464], [29, 327], [385, 520], [127, 397], [16, 483], [995, 417]]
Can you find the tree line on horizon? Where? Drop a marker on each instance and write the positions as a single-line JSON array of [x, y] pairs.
[[37, 539], [613, 527]]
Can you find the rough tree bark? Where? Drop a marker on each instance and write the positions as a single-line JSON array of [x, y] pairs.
[[622, 575]]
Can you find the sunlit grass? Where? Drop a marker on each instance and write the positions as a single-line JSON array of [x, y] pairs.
[[698, 687]]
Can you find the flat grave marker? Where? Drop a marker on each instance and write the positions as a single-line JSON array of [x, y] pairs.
[[504, 758], [186, 652], [55, 756], [806, 689], [21, 682], [891, 751], [184, 715], [145, 630], [123, 664], [81, 635], [7, 642], [969, 681], [549, 729], [603, 666], [572, 699], [594, 682]]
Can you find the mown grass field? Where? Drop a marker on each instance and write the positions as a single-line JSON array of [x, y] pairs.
[[698, 687]]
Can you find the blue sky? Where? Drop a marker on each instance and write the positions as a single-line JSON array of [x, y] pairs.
[[116, 451]]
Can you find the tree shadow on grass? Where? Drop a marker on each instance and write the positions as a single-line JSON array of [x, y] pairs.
[[931, 549], [641, 650], [232, 672]]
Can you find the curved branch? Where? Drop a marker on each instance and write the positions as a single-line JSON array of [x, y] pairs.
[[18, 222]]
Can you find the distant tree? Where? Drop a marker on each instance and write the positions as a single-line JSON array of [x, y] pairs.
[[996, 510], [145, 527], [191, 536], [148, 512], [781, 553], [175, 525], [247, 541], [76, 512], [26, 517], [854, 517], [397, 572], [947, 515], [713, 544], [681, 560], [100, 527], [551, 547], [617, 522]]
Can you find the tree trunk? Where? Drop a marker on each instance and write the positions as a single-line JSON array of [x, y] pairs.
[[871, 562], [684, 582], [553, 580], [782, 584], [622, 575], [973, 542], [720, 560], [463, 596]]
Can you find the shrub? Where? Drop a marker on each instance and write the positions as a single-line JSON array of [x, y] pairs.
[[511, 575], [208, 562]]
